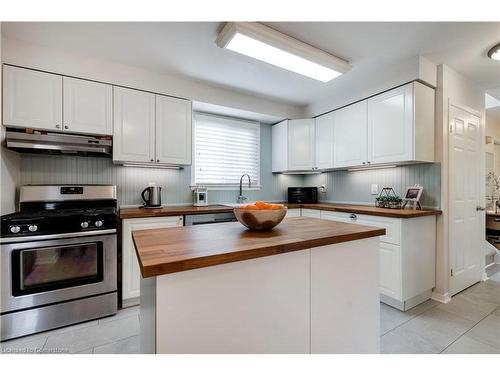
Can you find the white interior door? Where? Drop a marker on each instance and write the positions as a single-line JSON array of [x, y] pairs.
[[465, 197]]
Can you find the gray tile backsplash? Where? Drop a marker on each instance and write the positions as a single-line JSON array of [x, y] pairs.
[[354, 187]]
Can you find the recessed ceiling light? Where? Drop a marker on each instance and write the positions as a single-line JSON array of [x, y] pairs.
[[494, 53], [266, 44]]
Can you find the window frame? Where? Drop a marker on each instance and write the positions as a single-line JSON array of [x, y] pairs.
[[221, 186]]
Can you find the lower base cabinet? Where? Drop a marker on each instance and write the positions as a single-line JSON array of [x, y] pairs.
[[131, 273], [407, 256]]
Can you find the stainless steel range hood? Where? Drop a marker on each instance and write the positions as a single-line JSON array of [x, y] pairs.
[[55, 143]]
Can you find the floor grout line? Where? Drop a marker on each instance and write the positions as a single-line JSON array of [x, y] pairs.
[[463, 334], [407, 321]]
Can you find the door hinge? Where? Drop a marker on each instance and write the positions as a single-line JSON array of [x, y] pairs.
[[452, 272]]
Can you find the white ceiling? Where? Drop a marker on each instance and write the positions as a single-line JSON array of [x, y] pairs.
[[189, 49]]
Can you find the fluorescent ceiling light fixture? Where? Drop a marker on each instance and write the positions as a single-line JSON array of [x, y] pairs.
[[266, 44], [491, 101], [494, 52], [370, 168]]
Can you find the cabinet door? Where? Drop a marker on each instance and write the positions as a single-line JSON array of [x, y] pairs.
[[131, 273], [87, 107], [293, 212], [280, 146], [173, 130], [307, 212], [32, 99], [390, 126], [350, 136], [324, 140], [301, 144], [390, 279], [134, 126]]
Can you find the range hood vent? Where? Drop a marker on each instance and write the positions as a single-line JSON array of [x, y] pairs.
[[56, 143]]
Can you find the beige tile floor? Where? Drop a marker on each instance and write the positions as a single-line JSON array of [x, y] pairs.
[[470, 323]]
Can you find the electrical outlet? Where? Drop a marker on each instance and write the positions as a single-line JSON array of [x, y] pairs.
[[374, 189]]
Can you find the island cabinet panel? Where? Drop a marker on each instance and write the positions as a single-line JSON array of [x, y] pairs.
[[255, 306], [345, 309]]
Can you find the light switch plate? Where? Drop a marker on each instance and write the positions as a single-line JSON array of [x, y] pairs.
[[374, 189]]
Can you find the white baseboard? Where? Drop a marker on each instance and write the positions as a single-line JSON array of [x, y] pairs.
[[443, 298]]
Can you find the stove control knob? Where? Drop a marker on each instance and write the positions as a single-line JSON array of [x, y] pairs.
[[98, 223], [15, 229], [84, 224], [33, 228]]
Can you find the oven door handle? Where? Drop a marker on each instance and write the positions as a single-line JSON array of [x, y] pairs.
[[56, 236]]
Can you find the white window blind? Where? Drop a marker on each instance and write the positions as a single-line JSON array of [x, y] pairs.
[[225, 149]]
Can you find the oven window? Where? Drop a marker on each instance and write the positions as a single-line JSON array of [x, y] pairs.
[[49, 268]]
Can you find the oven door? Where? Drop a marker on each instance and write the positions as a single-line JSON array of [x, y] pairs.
[[45, 272]]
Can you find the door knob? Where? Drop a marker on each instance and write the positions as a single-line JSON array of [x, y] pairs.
[[480, 208]]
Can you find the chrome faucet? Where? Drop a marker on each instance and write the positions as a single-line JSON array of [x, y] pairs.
[[241, 197]]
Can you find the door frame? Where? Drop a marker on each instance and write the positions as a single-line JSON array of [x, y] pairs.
[[482, 186]]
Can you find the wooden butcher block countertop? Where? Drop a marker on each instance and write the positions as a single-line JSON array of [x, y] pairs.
[[136, 212], [367, 210], [169, 250]]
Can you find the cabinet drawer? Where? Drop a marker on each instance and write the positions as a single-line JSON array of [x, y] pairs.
[[344, 217], [293, 212], [307, 212], [391, 225]]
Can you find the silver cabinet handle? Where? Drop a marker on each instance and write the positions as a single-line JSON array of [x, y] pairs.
[[480, 208], [353, 216], [66, 127], [368, 162], [364, 162], [157, 160], [58, 126], [152, 159]]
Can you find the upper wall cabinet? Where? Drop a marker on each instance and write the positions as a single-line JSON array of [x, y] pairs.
[[134, 126], [173, 130], [350, 135], [401, 125], [324, 140], [88, 107], [32, 99], [395, 127], [151, 128], [46, 101], [293, 146]]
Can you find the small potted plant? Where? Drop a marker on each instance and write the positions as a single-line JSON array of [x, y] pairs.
[[395, 202]]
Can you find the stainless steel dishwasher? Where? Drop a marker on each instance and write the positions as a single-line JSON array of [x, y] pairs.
[[198, 219]]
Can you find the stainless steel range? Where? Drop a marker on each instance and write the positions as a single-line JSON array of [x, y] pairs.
[[58, 258]]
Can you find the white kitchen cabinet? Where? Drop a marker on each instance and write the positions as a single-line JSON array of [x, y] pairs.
[[324, 140], [173, 130], [401, 125], [134, 126], [350, 136], [301, 145], [32, 99], [131, 273], [307, 212], [293, 146], [293, 212], [88, 107], [407, 256]]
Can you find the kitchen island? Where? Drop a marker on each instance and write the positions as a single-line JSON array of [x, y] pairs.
[[308, 286]]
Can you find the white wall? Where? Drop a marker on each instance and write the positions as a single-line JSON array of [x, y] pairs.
[[369, 83], [51, 60], [10, 165], [457, 89]]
